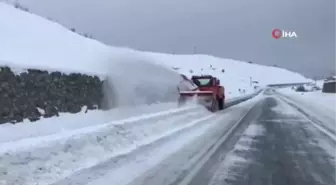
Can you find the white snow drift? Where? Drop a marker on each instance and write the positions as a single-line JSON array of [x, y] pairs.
[[319, 105], [57, 156]]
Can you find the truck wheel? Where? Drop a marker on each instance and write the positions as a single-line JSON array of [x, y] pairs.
[[220, 103], [214, 105], [182, 101]]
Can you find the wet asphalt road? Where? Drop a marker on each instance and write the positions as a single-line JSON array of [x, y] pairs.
[[289, 151]]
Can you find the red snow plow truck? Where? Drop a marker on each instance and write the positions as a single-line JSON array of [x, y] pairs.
[[208, 92]]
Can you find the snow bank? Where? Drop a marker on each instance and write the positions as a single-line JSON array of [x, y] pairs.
[[321, 107], [166, 161], [58, 156], [67, 121], [284, 108], [51, 158], [316, 99]]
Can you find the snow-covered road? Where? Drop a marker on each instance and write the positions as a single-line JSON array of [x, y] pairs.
[[164, 161], [317, 106], [270, 139], [263, 141], [49, 158], [279, 146]]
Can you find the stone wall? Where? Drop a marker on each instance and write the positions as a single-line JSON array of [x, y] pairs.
[[34, 94], [329, 87]]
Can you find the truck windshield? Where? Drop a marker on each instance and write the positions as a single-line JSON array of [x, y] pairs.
[[203, 82]]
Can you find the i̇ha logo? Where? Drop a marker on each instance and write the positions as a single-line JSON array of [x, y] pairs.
[[277, 34]]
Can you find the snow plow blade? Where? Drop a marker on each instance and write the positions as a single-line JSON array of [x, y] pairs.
[[198, 93], [205, 98]]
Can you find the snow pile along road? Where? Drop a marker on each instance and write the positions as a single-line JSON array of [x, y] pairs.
[[317, 101], [70, 151], [318, 106], [56, 156], [67, 121], [164, 162]]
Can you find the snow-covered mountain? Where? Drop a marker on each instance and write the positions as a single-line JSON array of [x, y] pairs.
[[233, 74], [28, 40]]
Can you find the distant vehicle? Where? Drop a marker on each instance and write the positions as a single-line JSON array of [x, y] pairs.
[[301, 88], [208, 93]]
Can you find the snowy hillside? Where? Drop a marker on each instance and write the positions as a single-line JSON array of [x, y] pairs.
[[28, 40], [233, 74]]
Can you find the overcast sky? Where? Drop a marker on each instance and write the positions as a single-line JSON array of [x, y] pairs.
[[237, 29]]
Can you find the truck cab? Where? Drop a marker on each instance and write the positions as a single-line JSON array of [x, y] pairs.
[[209, 83]]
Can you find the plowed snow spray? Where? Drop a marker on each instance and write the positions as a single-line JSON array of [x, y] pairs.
[[277, 34]]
